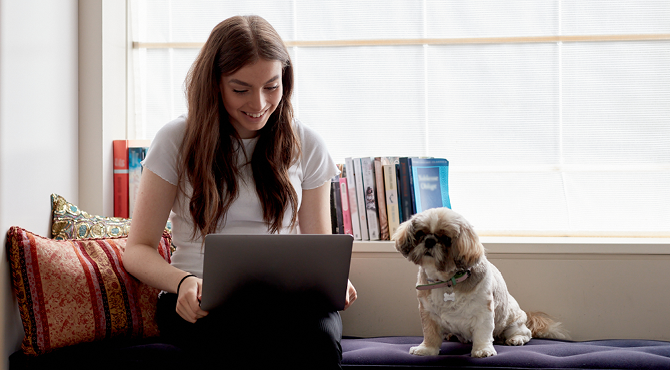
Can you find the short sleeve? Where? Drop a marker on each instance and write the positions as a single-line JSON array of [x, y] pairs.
[[318, 166], [163, 155]]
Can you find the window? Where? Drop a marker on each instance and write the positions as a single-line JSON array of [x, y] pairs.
[[554, 115]]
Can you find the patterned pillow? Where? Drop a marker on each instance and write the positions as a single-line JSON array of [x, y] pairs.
[[70, 222], [74, 291]]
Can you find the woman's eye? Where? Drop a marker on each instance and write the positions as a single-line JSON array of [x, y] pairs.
[[272, 88], [239, 91]]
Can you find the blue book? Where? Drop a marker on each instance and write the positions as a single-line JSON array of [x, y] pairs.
[[430, 178], [135, 157]]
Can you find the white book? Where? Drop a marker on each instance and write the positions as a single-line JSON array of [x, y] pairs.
[[370, 194], [392, 204], [360, 197], [353, 203]]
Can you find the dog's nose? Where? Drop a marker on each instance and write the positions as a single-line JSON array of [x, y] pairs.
[[429, 243]]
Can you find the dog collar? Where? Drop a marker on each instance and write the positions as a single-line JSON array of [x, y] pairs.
[[460, 277]]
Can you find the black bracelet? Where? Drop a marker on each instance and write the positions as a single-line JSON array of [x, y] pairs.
[[181, 281]]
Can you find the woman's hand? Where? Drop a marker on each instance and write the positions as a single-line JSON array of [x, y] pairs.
[[188, 301], [351, 295]]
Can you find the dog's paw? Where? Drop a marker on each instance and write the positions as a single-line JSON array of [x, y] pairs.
[[487, 351], [422, 350], [517, 340]]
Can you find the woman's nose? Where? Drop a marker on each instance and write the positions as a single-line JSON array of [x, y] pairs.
[[257, 101]]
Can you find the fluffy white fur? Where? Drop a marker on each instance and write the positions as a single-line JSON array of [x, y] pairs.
[[442, 243]]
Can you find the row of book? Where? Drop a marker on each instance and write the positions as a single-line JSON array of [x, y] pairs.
[[369, 199], [373, 195], [128, 155]]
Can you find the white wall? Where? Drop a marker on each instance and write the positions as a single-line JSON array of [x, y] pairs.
[[38, 128]]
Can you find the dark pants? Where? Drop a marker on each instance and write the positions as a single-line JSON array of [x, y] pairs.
[[256, 333]]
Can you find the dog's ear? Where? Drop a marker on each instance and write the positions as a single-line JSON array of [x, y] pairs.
[[404, 237], [470, 249]]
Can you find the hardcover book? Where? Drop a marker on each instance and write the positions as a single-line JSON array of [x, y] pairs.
[[336, 206], [333, 209], [121, 182], [431, 183], [346, 214], [370, 193], [391, 192], [360, 198], [353, 203], [135, 157], [381, 200], [405, 189], [397, 183]]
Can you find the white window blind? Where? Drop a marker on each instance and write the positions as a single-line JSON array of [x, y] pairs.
[[554, 115]]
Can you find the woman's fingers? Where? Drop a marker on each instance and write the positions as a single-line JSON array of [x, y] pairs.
[[351, 295], [188, 302]]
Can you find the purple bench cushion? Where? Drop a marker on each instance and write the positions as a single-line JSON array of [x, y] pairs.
[[393, 352], [380, 353]]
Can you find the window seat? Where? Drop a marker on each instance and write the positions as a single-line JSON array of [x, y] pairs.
[[380, 353]]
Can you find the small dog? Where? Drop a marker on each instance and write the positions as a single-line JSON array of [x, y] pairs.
[[460, 292]]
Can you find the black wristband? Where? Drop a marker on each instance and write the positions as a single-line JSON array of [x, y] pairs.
[[181, 281]]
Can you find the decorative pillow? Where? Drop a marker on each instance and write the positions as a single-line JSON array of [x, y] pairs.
[[70, 222], [74, 291]]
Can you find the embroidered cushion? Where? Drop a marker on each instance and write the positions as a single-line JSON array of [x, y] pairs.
[[74, 291], [71, 222]]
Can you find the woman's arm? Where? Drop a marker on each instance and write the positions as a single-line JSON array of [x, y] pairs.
[[141, 258], [314, 218], [314, 213]]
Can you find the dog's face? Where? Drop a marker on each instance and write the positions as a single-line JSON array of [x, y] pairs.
[[439, 236]]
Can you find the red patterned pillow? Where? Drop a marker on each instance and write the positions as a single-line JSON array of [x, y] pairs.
[[74, 291]]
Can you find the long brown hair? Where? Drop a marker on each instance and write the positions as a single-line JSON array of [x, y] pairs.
[[208, 151]]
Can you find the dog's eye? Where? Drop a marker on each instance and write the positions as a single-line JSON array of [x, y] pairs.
[[445, 240], [419, 234]]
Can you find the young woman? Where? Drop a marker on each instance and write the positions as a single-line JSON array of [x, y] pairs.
[[237, 163]]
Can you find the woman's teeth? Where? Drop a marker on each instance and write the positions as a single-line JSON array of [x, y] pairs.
[[254, 115]]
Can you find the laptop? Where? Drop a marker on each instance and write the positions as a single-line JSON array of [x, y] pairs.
[[307, 269]]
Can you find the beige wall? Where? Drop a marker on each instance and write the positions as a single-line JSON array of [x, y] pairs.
[[597, 294]]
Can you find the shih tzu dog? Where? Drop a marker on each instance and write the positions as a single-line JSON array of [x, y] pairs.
[[460, 292]]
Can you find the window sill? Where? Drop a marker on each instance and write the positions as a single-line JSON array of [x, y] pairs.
[[548, 245]]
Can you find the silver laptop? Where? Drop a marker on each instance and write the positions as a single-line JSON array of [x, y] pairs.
[[314, 268]]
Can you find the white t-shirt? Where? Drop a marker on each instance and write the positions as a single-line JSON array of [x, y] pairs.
[[245, 215]]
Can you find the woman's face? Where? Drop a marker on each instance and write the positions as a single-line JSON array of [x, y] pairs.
[[251, 94]]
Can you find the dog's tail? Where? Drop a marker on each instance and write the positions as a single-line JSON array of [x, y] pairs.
[[542, 325]]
